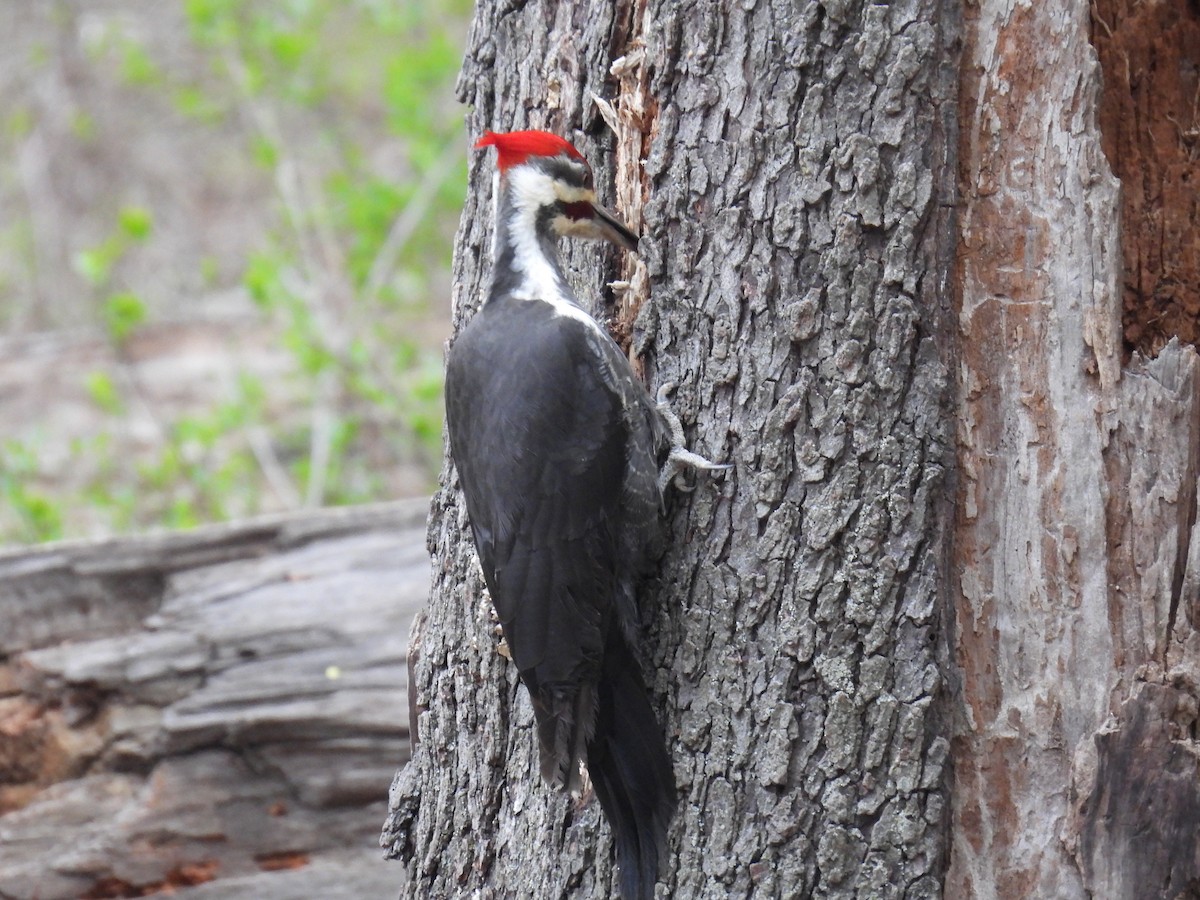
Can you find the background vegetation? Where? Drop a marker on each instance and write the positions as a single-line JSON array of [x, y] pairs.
[[223, 255]]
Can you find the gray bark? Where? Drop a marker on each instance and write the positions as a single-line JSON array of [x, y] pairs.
[[795, 236]]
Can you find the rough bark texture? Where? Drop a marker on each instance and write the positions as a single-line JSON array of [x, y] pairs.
[[793, 239], [1077, 767], [208, 715]]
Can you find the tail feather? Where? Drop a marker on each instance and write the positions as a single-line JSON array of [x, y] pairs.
[[565, 720], [631, 771]]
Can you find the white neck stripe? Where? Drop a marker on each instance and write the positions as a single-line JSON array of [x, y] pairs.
[[530, 190]]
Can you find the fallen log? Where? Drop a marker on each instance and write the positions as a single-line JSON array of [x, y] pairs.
[[210, 714]]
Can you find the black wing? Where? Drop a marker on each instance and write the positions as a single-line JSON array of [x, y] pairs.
[[539, 440]]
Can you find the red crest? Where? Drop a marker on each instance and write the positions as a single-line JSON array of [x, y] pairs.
[[515, 147]]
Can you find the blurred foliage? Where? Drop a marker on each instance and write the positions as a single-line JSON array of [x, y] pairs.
[[39, 517], [340, 275]]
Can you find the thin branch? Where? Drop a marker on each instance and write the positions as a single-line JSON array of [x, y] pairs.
[[286, 173], [268, 462], [321, 441], [405, 225]]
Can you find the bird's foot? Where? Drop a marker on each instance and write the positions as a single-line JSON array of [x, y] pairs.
[[680, 459]]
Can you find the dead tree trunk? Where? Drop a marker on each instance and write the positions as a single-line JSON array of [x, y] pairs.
[[1077, 768], [793, 206]]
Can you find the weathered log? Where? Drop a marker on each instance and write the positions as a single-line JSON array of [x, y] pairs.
[[215, 708]]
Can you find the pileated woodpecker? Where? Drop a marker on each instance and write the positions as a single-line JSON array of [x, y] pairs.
[[559, 451]]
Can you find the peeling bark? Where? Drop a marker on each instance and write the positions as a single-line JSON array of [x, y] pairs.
[[792, 198], [1076, 761], [1039, 350]]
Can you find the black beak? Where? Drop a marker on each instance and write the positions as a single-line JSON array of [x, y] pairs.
[[610, 228]]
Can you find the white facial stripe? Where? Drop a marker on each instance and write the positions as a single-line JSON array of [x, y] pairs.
[[570, 194], [582, 228], [530, 190]]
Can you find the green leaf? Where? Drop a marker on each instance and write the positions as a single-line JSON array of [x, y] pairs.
[[104, 394], [290, 47], [18, 123], [428, 385], [261, 279], [123, 313], [39, 514], [43, 517], [252, 392], [212, 22], [265, 153], [136, 222], [182, 514], [95, 265], [83, 126], [137, 68], [195, 103]]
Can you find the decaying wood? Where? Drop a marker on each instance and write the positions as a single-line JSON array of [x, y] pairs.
[[220, 709], [1150, 129], [1077, 766], [793, 236]]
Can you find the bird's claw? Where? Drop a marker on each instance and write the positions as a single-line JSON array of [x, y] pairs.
[[680, 458]]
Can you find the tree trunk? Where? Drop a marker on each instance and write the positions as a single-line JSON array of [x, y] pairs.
[[1077, 767], [794, 206], [798, 282]]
